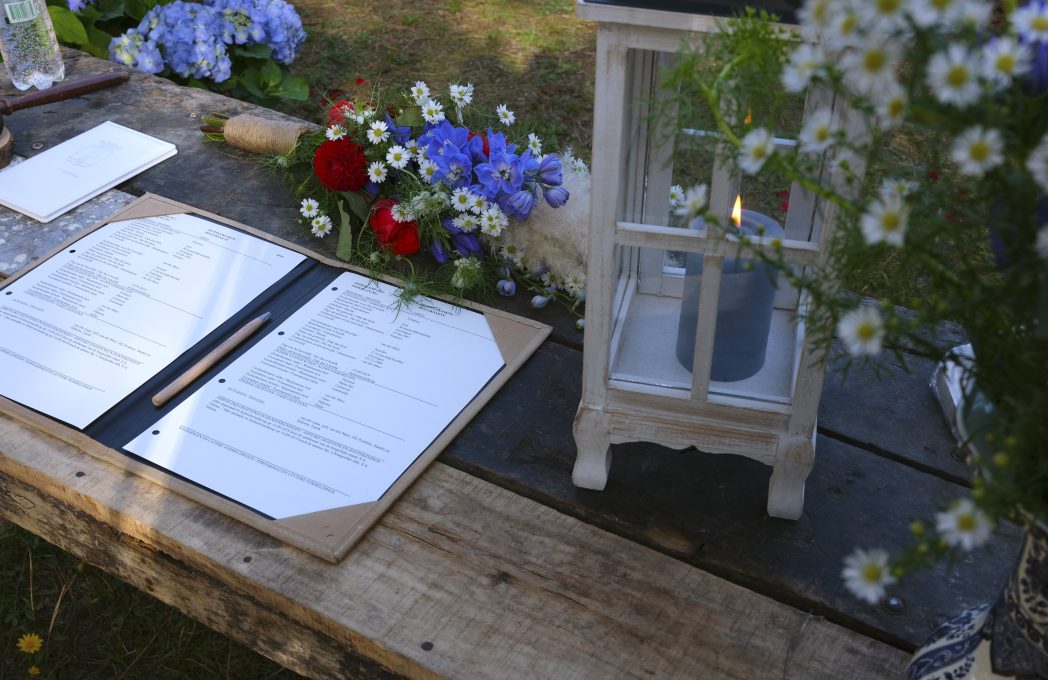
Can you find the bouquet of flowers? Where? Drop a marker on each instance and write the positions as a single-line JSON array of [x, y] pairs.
[[962, 84], [430, 174]]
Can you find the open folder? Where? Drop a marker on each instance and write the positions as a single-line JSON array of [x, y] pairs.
[[336, 400]]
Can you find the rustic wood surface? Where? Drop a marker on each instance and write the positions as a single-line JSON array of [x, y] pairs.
[[492, 561], [496, 584]]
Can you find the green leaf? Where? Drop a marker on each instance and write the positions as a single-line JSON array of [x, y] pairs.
[[411, 117], [99, 41], [253, 51], [344, 250], [270, 76], [292, 87], [358, 205], [67, 26], [137, 9], [250, 80]]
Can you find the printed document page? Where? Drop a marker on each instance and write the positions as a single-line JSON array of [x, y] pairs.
[[61, 178], [85, 328], [332, 406]]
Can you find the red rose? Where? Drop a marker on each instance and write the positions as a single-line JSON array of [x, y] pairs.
[[399, 237], [337, 112], [341, 166]]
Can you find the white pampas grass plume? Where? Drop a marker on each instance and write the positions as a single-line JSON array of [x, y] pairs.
[[556, 237]]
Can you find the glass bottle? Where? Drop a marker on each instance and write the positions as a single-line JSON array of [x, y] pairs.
[[28, 44]]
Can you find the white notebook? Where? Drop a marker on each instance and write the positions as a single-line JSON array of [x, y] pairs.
[[75, 171]]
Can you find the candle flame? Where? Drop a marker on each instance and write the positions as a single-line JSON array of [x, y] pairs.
[[736, 212]]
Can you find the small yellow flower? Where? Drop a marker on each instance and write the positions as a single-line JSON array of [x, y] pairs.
[[30, 643], [33, 670]]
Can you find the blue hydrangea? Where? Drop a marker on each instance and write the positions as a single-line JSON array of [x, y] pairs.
[[190, 39]]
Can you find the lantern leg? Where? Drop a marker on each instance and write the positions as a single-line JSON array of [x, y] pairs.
[[593, 443], [794, 459]]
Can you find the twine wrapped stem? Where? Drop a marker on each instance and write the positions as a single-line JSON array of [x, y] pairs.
[[259, 135]]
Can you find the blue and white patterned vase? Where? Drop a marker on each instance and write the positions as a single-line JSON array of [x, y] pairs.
[[1006, 640]]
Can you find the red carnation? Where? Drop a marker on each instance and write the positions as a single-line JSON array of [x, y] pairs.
[[337, 112], [399, 237], [341, 165]]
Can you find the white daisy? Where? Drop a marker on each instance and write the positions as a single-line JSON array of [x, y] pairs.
[[398, 157], [757, 146], [467, 222], [1041, 244], [804, 63], [1031, 21], [506, 116], [412, 147], [432, 111], [891, 107], [335, 132], [818, 132], [377, 172], [575, 284], [862, 331], [320, 226], [512, 252], [479, 203], [378, 132], [461, 199], [885, 220], [493, 221], [870, 67], [693, 202], [815, 17], [401, 212], [579, 165], [843, 31], [1005, 58], [309, 208], [952, 76], [1037, 163], [676, 195], [535, 144], [942, 13], [897, 187], [884, 15], [420, 92], [866, 573], [975, 13], [977, 150], [461, 94], [964, 525], [427, 170]]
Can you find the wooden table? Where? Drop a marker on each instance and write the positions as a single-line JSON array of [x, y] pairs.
[[493, 565]]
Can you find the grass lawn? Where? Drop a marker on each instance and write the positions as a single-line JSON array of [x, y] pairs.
[[534, 56]]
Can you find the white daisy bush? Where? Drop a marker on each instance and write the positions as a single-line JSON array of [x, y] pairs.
[[432, 174], [928, 137]]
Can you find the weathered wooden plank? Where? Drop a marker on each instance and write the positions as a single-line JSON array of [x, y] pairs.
[[459, 579], [229, 611], [890, 408], [709, 510]]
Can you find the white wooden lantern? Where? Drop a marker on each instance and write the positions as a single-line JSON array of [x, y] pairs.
[[634, 386]]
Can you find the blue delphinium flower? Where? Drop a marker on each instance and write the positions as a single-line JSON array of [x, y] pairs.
[[556, 196], [521, 203], [507, 287]]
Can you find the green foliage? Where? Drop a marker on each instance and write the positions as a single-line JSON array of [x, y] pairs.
[[942, 267]]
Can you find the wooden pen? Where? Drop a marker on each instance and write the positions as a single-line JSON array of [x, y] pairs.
[[212, 358]]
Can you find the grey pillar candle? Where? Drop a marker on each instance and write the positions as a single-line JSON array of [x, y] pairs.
[[744, 307]]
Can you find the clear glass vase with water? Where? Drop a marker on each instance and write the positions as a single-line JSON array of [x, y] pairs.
[[29, 46]]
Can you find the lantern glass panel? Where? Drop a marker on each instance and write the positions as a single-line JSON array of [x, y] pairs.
[[756, 337]]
